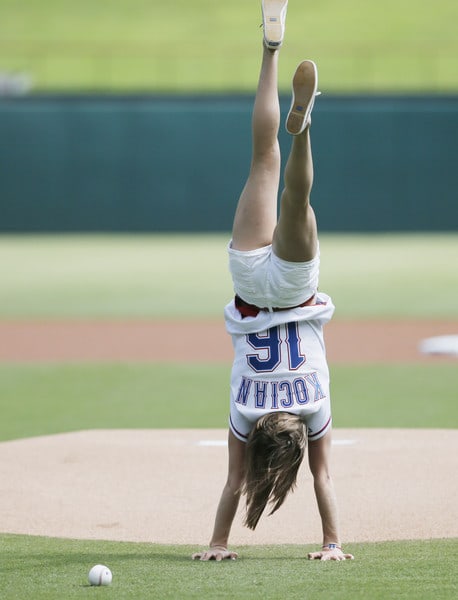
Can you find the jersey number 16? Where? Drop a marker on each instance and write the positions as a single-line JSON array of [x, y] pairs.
[[271, 345]]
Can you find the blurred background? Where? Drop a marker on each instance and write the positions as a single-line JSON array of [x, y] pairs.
[[134, 115], [114, 46]]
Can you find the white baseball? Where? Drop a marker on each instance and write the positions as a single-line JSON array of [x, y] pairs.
[[100, 575]]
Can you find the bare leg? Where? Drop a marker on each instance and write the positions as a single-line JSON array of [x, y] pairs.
[[256, 215], [295, 237]]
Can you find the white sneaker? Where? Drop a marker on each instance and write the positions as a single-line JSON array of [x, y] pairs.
[[273, 22], [305, 83]]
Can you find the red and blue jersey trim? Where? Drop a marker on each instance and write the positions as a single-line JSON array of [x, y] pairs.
[[236, 432], [318, 434]]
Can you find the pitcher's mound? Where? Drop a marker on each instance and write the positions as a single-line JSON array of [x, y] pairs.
[[162, 486]]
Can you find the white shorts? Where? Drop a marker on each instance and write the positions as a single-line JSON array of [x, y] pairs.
[[261, 278]]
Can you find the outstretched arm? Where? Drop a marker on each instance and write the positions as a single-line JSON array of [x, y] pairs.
[[228, 504], [319, 452]]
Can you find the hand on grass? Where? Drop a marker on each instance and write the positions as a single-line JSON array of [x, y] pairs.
[[330, 554], [217, 553]]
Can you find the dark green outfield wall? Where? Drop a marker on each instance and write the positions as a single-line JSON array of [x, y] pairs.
[[178, 164]]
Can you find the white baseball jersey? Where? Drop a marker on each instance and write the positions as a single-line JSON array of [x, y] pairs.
[[280, 364]]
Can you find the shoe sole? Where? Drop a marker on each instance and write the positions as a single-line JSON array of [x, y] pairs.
[[304, 85], [273, 16]]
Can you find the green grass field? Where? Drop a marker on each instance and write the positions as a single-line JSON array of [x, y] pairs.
[[186, 276], [54, 398], [49, 569], [205, 45], [131, 277]]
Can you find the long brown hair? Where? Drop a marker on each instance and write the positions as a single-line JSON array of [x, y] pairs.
[[274, 453]]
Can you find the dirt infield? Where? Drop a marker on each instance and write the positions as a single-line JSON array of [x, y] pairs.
[[346, 341], [163, 486]]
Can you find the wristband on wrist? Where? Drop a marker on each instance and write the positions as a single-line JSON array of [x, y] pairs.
[[331, 547]]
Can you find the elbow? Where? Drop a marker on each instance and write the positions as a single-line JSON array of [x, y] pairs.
[[322, 479], [235, 482]]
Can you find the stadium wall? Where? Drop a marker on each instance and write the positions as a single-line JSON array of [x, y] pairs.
[[159, 164]]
